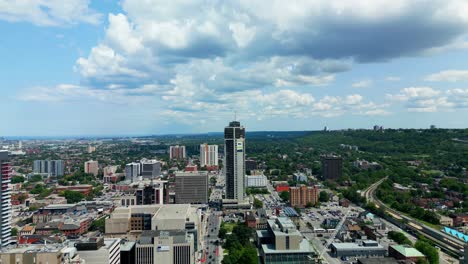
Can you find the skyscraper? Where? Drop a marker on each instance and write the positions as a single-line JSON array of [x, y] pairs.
[[52, 167], [208, 155], [5, 199], [132, 171], [234, 154], [332, 167]]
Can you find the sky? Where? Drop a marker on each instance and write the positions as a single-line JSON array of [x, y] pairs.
[[140, 67]]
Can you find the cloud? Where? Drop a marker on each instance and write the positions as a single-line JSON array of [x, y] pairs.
[[427, 99], [448, 76], [393, 78], [362, 84], [49, 12]]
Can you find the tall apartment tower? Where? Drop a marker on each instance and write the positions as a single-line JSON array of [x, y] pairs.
[[5, 199], [234, 155], [177, 152], [208, 155], [91, 167], [332, 167], [52, 167], [302, 195]]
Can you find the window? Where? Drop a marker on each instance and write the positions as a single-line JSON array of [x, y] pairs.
[[287, 242]]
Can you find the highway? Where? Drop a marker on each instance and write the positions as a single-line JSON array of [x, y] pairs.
[[448, 244]]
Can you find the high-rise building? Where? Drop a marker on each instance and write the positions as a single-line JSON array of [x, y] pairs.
[[90, 149], [91, 167], [191, 187], [5, 199], [132, 171], [177, 152], [332, 167], [150, 169], [52, 167], [208, 155], [234, 154], [154, 193], [301, 196]]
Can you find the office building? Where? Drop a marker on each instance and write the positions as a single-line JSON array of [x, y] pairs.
[[150, 169], [5, 199], [132, 171], [99, 250], [256, 180], [234, 154], [191, 187], [154, 193], [52, 167], [177, 152], [208, 155], [332, 167], [165, 246], [91, 167], [301, 196], [281, 242], [364, 249], [127, 252]]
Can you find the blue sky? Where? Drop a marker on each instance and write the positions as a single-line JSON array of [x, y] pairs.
[[154, 67]]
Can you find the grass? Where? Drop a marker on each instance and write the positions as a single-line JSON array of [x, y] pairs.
[[229, 226]]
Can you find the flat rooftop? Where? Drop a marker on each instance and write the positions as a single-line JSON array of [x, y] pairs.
[[173, 211], [304, 247]]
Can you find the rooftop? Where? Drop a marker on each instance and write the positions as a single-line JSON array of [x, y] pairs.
[[407, 251], [304, 247], [173, 211]]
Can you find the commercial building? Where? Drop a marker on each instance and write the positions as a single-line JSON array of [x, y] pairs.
[[99, 250], [300, 177], [177, 152], [332, 167], [154, 193], [281, 242], [256, 180], [5, 199], [364, 249], [33, 254], [234, 154], [191, 187], [208, 155], [91, 167], [135, 219], [150, 169], [165, 246], [301, 196], [132, 171], [404, 252], [52, 167]]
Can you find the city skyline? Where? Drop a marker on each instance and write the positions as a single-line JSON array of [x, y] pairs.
[[158, 67]]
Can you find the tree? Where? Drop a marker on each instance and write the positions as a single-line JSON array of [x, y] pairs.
[[324, 197], [428, 250], [399, 237], [35, 178], [14, 231], [213, 180], [257, 203], [284, 196], [98, 225], [17, 179], [72, 196]]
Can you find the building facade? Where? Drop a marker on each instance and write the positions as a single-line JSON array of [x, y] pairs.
[[177, 152], [5, 199], [332, 167], [91, 167], [154, 193], [132, 171], [208, 155], [234, 154], [52, 167], [301, 196], [191, 187], [150, 169], [256, 180]]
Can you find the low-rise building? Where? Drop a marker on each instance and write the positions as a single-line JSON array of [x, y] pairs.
[[281, 241], [404, 252], [99, 250], [364, 249], [256, 180], [33, 254]]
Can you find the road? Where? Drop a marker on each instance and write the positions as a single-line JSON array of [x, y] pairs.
[[211, 240]]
